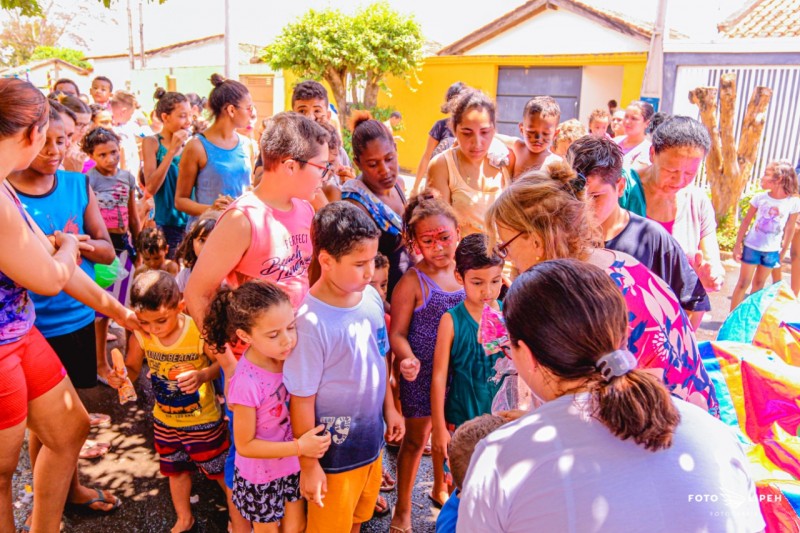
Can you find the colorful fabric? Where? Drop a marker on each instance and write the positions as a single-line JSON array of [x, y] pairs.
[[659, 333], [264, 391], [113, 194], [755, 366], [185, 449], [172, 406], [17, 313], [265, 502], [384, 216]]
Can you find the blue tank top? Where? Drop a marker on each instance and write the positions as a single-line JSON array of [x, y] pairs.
[[16, 308], [227, 172], [166, 214], [61, 209]]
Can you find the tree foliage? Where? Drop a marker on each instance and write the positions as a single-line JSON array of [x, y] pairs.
[[366, 47], [32, 8], [21, 35], [70, 55]]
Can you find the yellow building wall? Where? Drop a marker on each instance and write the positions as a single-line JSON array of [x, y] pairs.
[[420, 98]]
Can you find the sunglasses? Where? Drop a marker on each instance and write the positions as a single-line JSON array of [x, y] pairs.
[[501, 249]]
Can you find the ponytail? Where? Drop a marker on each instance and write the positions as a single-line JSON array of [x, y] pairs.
[[636, 405], [215, 325], [238, 309]]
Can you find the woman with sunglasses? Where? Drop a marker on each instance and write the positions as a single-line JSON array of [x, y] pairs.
[[543, 215], [215, 166], [377, 190]]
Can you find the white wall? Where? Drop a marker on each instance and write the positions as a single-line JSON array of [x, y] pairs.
[[598, 86], [198, 55], [556, 32]]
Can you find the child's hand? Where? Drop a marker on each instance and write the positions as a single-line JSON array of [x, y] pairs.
[[313, 445], [345, 174], [395, 425], [409, 368], [737, 252], [440, 441], [313, 484], [221, 202], [67, 241], [114, 381], [189, 381]]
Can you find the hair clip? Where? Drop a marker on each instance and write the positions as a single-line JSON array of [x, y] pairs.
[[615, 364], [578, 183]]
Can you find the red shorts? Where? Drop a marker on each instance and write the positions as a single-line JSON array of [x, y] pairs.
[[28, 368]]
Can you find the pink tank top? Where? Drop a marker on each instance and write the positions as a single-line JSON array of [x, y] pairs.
[[280, 245]]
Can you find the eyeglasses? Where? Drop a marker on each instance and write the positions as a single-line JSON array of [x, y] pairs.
[[326, 168], [501, 249]]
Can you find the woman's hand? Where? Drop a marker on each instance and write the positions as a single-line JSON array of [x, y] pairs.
[[68, 242], [710, 275], [312, 444], [178, 140], [221, 202], [129, 321]]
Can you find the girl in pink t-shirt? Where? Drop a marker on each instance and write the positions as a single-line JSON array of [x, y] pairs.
[[266, 485]]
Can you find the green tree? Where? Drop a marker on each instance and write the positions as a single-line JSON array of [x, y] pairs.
[[367, 46], [32, 8], [70, 55]]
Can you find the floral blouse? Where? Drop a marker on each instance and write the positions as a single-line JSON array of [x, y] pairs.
[[659, 333]]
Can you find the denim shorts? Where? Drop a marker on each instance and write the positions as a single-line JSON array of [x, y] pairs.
[[765, 259]]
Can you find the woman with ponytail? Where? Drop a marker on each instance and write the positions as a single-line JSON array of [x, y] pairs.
[[543, 215], [608, 448]]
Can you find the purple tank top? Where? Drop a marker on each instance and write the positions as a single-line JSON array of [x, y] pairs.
[[16, 308], [425, 320]]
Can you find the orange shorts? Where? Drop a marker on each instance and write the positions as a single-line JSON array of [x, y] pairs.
[[350, 499], [28, 368]]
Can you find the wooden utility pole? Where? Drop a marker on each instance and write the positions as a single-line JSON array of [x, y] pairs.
[[728, 168], [141, 33], [130, 35]]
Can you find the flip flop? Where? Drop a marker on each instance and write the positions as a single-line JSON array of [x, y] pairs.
[[99, 420], [93, 449], [436, 503], [86, 507], [382, 507], [102, 380]]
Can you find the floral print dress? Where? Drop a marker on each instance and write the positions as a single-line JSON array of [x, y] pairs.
[[659, 332]]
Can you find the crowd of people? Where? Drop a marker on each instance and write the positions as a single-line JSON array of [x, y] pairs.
[[295, 310]]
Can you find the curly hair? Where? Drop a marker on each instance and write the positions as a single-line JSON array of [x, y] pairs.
[[426, 204], [98, 135]]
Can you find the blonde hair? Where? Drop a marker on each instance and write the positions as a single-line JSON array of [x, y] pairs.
[[570, 130], [549, 204], [784, 173]]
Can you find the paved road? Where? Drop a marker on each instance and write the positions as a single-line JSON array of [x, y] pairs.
[[130, 469]]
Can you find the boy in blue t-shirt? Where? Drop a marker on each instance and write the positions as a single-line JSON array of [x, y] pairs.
[[337, 373]]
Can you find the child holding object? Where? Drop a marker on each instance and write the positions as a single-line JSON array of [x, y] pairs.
[[189, 431]]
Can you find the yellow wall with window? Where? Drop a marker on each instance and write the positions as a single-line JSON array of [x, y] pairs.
[[420, 98]]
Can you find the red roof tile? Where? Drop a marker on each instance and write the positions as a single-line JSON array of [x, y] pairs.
[[764, 18]]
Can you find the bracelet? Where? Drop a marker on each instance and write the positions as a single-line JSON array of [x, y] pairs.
[[296, 441]]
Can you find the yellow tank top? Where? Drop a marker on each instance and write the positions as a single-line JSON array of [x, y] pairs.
[[173, 407]]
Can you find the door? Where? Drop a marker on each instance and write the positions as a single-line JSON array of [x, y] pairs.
[[517, 85], [261, 91]]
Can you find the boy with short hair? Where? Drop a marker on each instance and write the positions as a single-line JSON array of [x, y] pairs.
[[337, 373], [538, 127], [600, 161], [599, 122], [189, 431], [310, 99], [152, 247], [101, 91], [460, 451]]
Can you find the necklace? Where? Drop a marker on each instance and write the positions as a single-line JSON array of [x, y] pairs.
[[466, 177]]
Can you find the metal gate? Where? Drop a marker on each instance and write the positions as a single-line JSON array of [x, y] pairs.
[[517, 85], [781, 136]]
